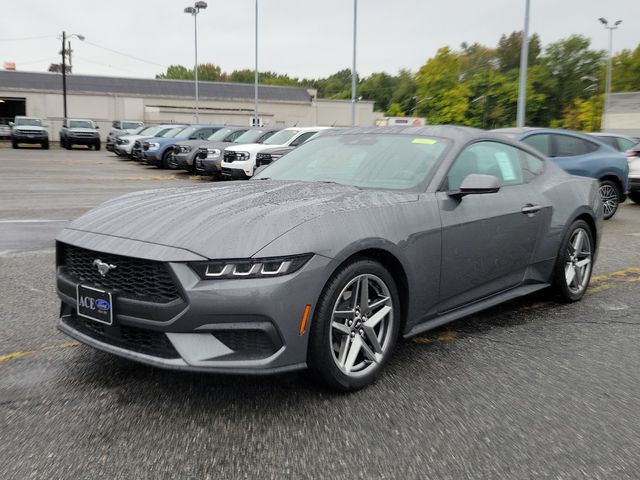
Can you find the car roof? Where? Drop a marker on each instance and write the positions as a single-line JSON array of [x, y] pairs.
[[453, 132]]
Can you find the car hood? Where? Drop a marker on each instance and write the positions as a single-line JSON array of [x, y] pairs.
[[250, 147], [161, 140], [191, 143], [233, 220], [82, 130], [33, 128], [219, 145]]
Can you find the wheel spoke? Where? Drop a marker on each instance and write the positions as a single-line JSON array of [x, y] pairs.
[[377, 303], [363, 299], [370, 354], [344, 313], [583, 263], [372, 338], [341, 327], [344, 350], [379, 315], [579, 276], [577, 245], [354, 350], [569, 274]]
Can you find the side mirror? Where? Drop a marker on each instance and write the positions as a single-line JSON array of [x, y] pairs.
[[11, 124], [477, 184]]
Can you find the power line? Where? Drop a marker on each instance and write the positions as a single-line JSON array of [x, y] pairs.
[[108, 65], [26, 38], [126, 54]]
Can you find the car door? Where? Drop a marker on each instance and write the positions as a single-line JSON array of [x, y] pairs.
[[488, 240]]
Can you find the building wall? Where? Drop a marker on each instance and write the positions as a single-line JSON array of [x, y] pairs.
[[623, 114], [104, 108]]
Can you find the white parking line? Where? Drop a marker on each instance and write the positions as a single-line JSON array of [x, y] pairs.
[[32, 221]]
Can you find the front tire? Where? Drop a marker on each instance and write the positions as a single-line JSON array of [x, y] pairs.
[[14, 144], [165, 160], [572, 272], [97, 145], [610, 195], [45, 145], [355, 325], [635, 197]]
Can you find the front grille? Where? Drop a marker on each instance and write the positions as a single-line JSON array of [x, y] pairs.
[[229, 156], [136, 144], [82, 134], [247, 343], [134, 278], [135, 339]]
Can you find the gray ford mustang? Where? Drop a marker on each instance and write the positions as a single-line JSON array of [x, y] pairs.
[[327, 256]]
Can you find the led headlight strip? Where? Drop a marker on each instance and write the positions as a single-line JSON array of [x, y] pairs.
[[250, 268]]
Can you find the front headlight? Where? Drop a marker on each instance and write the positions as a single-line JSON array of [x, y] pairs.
[[213, 153], [250, 268], [185, 149], [154, 146], [123, 141], [242, 156]]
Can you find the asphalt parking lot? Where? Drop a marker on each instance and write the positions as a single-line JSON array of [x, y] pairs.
[[531, 389]]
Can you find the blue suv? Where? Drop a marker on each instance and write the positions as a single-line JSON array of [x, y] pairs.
[[158, 150], [584, 155]]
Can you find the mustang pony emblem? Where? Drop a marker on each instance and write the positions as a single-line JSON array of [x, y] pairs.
[[103, 267]]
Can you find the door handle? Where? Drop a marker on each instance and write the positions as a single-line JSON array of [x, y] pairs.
[[530, 209]]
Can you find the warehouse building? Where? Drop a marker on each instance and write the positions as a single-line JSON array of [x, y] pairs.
[[104, 99], [623, 114]]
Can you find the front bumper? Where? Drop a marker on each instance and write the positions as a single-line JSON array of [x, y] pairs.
[[234, 173], [123, 149], [183, 161], [29, 138], [82, 140], [209, 166], [226, 326], [151, 157]]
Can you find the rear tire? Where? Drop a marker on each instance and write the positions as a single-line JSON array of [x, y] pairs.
[[635, 197], [610, 194], [574, 263], [355, 326]]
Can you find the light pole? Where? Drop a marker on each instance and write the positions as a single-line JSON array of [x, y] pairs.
[[194, 12], [607, 88], [353, 67], [255, 77], [524, 63], [64, 68]]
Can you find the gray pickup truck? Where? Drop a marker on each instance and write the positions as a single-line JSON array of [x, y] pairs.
[[77, 131], [28, 130]]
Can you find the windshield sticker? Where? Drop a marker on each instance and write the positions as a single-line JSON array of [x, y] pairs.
[[425, 141], [506, 168]]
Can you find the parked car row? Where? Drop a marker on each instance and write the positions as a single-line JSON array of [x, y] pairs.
[[220, 151]]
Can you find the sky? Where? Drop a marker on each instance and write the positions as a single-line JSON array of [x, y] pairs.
[[301, 38]]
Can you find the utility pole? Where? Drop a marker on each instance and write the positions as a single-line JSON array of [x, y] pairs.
[[524, 63], [353, 68], [255, 77], [64, 75], [607, 89]]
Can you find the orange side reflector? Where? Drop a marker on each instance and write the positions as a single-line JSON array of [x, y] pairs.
[[305, 318]]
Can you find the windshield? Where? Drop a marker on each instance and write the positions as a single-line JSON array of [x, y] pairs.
[[131, 125], [220, 135], [173, 132], [186, 132], [152, 131], [251, 136], [80, 124], [138, 130], [280, 138], [31, 122], [397, 162]]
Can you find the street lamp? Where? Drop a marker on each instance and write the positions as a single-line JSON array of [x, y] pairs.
[[64, 67], [524, 63], [607, 89], [194, 12], [255, 77]]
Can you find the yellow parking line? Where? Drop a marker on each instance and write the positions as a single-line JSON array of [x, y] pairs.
[[15, 355]]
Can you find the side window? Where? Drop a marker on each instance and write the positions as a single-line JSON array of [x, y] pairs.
[[567, 146], [625, 144], [204, 133], [541, 142], [488, 158], [302, 138], [611, 141], [531, 166]]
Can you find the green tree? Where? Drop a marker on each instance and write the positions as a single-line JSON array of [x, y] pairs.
[[509, 49], [442, 97], [626, 71], [177, 72]]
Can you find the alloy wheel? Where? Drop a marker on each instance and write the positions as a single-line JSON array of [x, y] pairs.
[[578, 261], [361, 325], [609, 196]]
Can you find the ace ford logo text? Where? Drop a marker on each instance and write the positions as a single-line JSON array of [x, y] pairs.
[[93, 304]]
